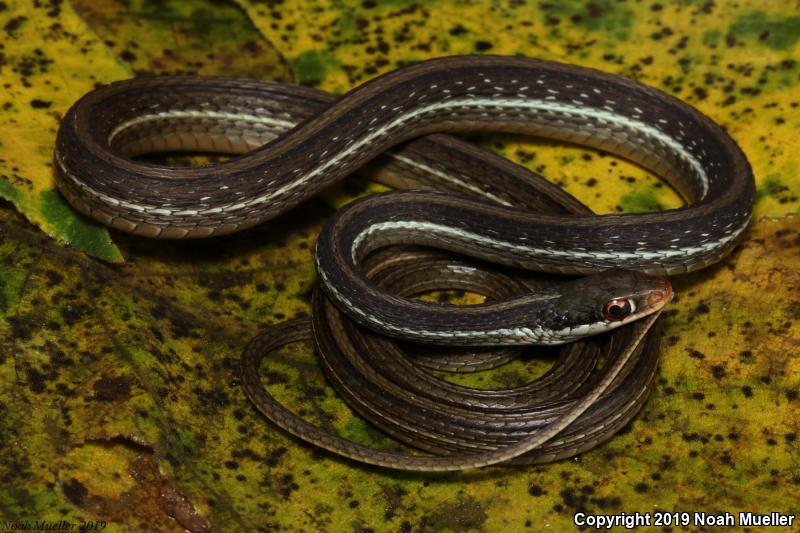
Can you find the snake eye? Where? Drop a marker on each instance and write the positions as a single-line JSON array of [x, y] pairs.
[[617, 309]]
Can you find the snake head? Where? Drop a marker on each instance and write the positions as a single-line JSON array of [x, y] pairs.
[[639, 295], [610, 299]]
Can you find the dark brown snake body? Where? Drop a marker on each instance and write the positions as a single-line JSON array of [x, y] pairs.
[[287, 163]]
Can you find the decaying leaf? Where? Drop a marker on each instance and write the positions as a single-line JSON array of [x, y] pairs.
[[119, 396]]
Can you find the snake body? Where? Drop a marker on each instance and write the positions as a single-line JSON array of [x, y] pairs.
[[106, 127], [592, 390], [298, 141]]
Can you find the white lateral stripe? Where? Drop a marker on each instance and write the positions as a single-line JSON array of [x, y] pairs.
[[373, 135], [448, 177], [482, 240], [539, 105], [523, 334], [218, 115]]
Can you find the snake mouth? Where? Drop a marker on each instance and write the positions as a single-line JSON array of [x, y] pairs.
[[660, 295]]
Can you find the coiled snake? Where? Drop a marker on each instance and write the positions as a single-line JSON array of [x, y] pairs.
[[296, 141]]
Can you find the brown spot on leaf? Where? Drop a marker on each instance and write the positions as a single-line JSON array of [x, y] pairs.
[[113, 389], [287, 485], [36, 380], [75, 491], [594, 10], [14, 24]]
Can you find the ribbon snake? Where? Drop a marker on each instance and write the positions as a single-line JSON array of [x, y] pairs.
[[377, 253]]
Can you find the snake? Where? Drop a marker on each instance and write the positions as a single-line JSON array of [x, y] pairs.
[[291, 142], [594, 388]]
